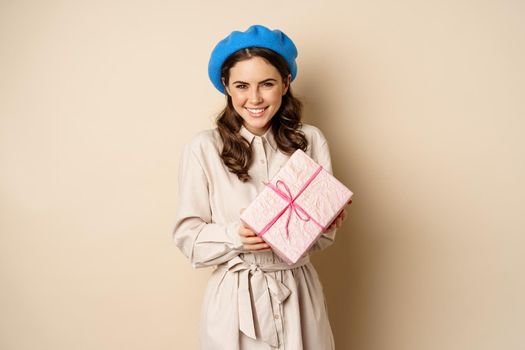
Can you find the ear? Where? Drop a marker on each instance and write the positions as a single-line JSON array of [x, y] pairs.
[[287, 84]]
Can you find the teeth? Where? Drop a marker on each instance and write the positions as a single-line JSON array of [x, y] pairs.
[[259, 110]]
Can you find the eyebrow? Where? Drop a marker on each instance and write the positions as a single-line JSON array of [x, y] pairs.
[[264, 81]]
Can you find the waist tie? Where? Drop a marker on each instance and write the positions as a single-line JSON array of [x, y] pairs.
[[258, 289]]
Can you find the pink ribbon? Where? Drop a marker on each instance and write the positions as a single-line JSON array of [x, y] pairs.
[[292, 206]]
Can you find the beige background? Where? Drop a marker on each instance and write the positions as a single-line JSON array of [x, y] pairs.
[[423, 106]]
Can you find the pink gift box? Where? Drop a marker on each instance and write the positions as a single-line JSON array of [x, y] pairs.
[[295, 207]]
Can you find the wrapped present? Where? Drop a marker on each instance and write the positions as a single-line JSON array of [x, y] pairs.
[[296, 206]]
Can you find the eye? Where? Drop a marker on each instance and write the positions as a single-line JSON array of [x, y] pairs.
[[241, 86], [268, 84]]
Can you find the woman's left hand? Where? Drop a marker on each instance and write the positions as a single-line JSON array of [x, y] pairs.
[[338, 221]]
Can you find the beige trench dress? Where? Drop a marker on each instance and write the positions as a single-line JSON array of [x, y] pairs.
[[253, 300]]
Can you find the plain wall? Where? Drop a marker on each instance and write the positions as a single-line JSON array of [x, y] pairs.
[[423, 106]]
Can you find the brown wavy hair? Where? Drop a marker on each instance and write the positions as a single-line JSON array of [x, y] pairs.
[[236, 152]]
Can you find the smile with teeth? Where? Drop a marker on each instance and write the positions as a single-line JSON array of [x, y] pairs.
[[256, 111]]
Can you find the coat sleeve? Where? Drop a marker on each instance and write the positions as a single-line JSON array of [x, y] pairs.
[[322, 153], [202, 241]]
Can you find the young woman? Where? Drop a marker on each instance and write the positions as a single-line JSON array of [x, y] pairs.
[[253, 299]]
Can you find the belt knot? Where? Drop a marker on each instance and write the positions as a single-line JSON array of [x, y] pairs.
[[256, 285]]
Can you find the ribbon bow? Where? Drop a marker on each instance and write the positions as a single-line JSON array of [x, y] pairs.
[[292, 205]]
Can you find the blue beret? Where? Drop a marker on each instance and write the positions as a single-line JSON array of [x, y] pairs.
[[255, 36]]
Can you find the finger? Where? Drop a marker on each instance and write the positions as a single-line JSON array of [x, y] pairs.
[[256, 246], [246, 230], [242, 209], [265, 250], [330, 228], [251, 240]]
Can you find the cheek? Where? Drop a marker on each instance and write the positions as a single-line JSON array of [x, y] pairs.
[[238, 99], [276, 99], [238, 104]]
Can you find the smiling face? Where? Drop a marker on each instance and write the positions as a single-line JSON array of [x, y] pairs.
[[256, 89]]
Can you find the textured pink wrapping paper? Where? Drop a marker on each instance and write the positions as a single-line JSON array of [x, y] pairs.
[[323, 199]]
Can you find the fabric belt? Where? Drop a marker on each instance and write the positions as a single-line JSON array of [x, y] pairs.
[[255, 285]]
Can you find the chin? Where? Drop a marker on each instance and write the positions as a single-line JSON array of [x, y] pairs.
[[259, 124]]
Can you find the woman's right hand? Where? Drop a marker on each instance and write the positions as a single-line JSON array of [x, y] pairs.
[[251, 241]]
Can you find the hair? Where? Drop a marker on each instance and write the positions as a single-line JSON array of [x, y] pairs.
[[236, 153]]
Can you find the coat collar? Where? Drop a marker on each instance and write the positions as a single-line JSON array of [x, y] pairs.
[[268, 136]]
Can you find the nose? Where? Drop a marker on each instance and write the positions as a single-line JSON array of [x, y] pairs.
[[255, 96]]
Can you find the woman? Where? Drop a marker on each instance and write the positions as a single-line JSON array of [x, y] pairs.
[[253, 299]]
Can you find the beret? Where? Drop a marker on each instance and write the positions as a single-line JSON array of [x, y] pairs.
[[255, 36]]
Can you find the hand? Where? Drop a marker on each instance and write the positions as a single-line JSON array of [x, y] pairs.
[[338, 221], [251, 241]]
